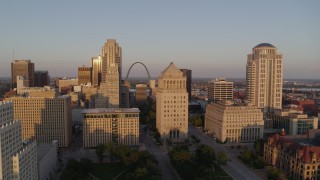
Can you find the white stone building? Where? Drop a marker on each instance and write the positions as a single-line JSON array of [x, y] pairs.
[[172, 104]]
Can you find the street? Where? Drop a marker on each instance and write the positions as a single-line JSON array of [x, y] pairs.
[[167, 171], [236, 169]]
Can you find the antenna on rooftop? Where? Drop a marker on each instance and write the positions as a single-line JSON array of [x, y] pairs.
[[13, 55]]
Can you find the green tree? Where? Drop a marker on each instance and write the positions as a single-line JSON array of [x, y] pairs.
[[68, 174], [246, 156], [100, 149], [205, 155], [272, 173], [72, 164], [111, 149], [258, 146], [222, 158], [259, 162], [85, 166]]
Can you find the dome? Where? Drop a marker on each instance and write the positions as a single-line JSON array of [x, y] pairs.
[[264, 45]]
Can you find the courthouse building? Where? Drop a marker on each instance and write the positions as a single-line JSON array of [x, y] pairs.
[[234, 122], [172, 104]]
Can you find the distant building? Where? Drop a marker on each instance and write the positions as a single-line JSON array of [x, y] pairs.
[[96, 70], [265, 77], [41, 78], [116, 125], [84, 75], [296, 155], [125, 88], [188, 74], [44, 116], [294, 122], [172, 104], [18, 159], [219, 90], [234, 122], [22, 68], [62, 83], [22, 82], [141, 93]]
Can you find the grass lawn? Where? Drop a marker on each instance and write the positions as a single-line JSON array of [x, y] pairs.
[[106, 171]]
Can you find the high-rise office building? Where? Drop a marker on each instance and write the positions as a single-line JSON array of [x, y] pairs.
[[116, 125], [18, 159], [22, 68], [220, 89], [44, 116], [188, 74], [41, 78], [110, 85], [84, 75], [172, 104], [264, 77], [96, 70]]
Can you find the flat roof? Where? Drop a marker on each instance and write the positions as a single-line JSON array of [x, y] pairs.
[[110, 110], [43, 149]]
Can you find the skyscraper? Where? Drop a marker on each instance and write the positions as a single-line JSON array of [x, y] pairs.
[[264, 77], [172, 104], [22, 68], [111, 73], [188, 74], [96, 70]]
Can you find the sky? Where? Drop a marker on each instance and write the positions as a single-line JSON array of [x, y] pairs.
[[212, 38]]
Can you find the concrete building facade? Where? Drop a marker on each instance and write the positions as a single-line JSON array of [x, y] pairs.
[[172, 104], [44, 118], [188, 74], [234, 122], [264, 76], [18, 159], [116, 125], [220, 89]]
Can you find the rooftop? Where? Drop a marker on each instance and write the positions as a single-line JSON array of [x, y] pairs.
[[110, 110], [264, 45]]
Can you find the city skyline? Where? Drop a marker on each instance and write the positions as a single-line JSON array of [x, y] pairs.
[[211, 39]]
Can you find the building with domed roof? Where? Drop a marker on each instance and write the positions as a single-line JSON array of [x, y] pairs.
[[172, 104], [264, 76]]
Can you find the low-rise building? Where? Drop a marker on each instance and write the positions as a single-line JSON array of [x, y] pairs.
[[116, 125], [295, 155], [293, 121], [232, 122]]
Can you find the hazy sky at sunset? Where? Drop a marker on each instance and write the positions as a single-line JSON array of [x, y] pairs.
[[212, 38]]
